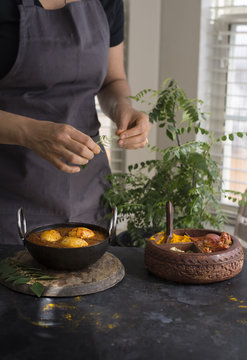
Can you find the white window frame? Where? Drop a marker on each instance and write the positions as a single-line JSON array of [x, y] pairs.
[[219, 26]]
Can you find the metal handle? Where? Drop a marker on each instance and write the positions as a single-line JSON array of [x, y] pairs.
[[113, 223], [21, 223]]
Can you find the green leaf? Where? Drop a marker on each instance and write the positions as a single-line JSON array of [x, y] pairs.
[[6, 270], [166, 157], [5, 267], [170, 134], [177, 154], [198, 161], [37, 288], [21, 281], [46, 277], [12, 278], [240, 135], [223, 138], [231, 137]]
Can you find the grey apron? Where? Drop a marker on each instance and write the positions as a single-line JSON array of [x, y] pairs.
[[60, 67]]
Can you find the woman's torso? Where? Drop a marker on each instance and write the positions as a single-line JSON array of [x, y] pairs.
[[9, 28], [60, 66]]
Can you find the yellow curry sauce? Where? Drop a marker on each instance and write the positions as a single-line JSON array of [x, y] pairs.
[[160, 238], [64, 232]]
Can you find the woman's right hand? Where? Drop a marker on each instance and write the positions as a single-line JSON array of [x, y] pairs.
[[59, 144]]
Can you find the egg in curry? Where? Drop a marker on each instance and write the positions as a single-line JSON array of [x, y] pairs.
[[67, 237], [50, 235]]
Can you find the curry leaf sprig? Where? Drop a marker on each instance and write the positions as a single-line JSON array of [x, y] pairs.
[[105, 141], [20, 274]]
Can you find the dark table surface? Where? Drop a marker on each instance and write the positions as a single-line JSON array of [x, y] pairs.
[[143, 317]]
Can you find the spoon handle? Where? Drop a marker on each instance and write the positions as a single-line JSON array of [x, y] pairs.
[[169, 221]]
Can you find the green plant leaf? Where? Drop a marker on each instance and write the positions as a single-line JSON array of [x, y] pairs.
[[231, 137], [37, 288], [198, 161], [5, 268], [170, 134], [166, 157], [12, 278], [46, 277], [21, 281]]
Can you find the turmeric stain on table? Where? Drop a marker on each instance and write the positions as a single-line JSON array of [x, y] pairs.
[[53, 306], [232, 298], [68, 316]]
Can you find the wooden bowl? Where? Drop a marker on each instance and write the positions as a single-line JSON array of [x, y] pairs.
[[195, 267]]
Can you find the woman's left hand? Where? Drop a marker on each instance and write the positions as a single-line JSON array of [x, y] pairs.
[[133, 127]]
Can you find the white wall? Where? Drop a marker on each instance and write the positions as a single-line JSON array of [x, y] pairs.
[[179, 47], [163, 42], [143, 59]]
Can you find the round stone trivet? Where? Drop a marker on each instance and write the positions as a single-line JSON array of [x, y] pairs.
[[102, 275]]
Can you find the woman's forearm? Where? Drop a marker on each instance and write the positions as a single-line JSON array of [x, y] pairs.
[[13, 128], [61, 144], [113, 94]]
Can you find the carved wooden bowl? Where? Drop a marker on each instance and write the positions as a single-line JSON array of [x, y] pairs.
[[193, 267]]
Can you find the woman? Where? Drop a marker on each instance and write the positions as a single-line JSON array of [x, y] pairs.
[[59, 57]]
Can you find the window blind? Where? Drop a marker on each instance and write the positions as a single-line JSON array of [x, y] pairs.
[[223, 84]]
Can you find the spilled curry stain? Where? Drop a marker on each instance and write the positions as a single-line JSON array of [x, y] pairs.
[[77, 298], [52, 306], [240, 307], [233, 298], [116, 316], [70, 316], [112, 326], [97, 320]]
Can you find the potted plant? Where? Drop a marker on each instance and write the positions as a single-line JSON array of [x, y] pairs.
[[185, 174]]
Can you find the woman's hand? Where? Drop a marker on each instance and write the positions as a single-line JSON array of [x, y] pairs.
[[132, 127], [59, 144]]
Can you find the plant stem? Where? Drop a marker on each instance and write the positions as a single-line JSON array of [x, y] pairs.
[[193, 180], [178, 140]]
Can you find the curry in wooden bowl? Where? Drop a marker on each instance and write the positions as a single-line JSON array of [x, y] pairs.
[[194, 256]]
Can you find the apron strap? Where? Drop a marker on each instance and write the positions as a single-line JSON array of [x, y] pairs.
[[28, 2]]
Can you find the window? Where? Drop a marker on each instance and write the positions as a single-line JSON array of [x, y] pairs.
[[223, 85]]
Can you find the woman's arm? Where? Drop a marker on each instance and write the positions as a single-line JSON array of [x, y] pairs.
[[132, 125], [51, 141]]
